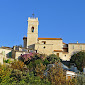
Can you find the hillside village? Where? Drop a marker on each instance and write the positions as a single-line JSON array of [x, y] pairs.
[[46, 46], [32, 43]]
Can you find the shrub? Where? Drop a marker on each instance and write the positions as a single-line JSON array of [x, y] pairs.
[[53, 58], [79, 60], [7, 61], [18, 65]]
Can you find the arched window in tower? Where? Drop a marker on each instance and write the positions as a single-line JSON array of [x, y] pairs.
[[32, 29]]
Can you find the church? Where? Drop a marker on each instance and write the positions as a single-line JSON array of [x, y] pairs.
[[33, 43], [49, 45]]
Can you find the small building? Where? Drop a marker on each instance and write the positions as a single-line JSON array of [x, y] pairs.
[[17, 51], [70, 75], [6, 52]]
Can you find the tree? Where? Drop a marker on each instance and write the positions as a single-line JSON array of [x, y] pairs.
[[18, 65], [33, 63], [57, 76], [40, 69], [5, 73], [53, 58], [79, 60], [81, 79]]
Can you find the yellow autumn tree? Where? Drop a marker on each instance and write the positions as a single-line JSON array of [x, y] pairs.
[[57, 76], [40, 69], [18, 65]]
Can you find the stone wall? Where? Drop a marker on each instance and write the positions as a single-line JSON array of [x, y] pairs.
[[5, 52], [44, 48], [56, 44], [1, 59], [16, 54], [75, 47]]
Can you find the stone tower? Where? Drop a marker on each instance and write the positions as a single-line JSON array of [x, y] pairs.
[[32, 33]]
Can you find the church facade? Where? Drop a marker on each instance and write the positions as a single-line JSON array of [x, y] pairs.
[[49, 45]]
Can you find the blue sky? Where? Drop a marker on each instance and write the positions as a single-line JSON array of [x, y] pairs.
[[57, 19]]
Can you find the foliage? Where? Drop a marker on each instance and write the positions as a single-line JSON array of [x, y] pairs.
[[56, 75], [9, 76], [46, 62], [35, 80], [5, 73], [17, 76], [18, 65], [72, 81], [34, 70], [79, 60], [81, 79], [40, 69], [53, 58], [32, 65], [7, 61], [26, 58]]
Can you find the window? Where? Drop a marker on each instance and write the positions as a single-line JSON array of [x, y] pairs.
[[73, 46], [81, 47], [44, 42], [44, 47], [57, 54], [32, 29], [36, 51]]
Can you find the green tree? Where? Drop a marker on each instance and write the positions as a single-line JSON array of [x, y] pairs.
[[5, 73], [36, 80], [53, 58], [81, 79], [32, 65], [79, 60]]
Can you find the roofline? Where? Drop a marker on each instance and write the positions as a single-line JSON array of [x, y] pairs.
[[49, 38], [58, 51], [76, 43], [64, 43], [46, 38], [8, 48]]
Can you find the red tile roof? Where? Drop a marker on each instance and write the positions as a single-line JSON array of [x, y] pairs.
[[64, 43], [58, 51], [49, 38], [46, 38]]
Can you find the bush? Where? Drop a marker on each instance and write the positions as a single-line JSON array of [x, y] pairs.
[[53, 58], [7, 61], [46, 62], [18, 65], [79, 60], [81, 79], [26, 58]]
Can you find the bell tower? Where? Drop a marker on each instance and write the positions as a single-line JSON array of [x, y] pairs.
[[32, 33]]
